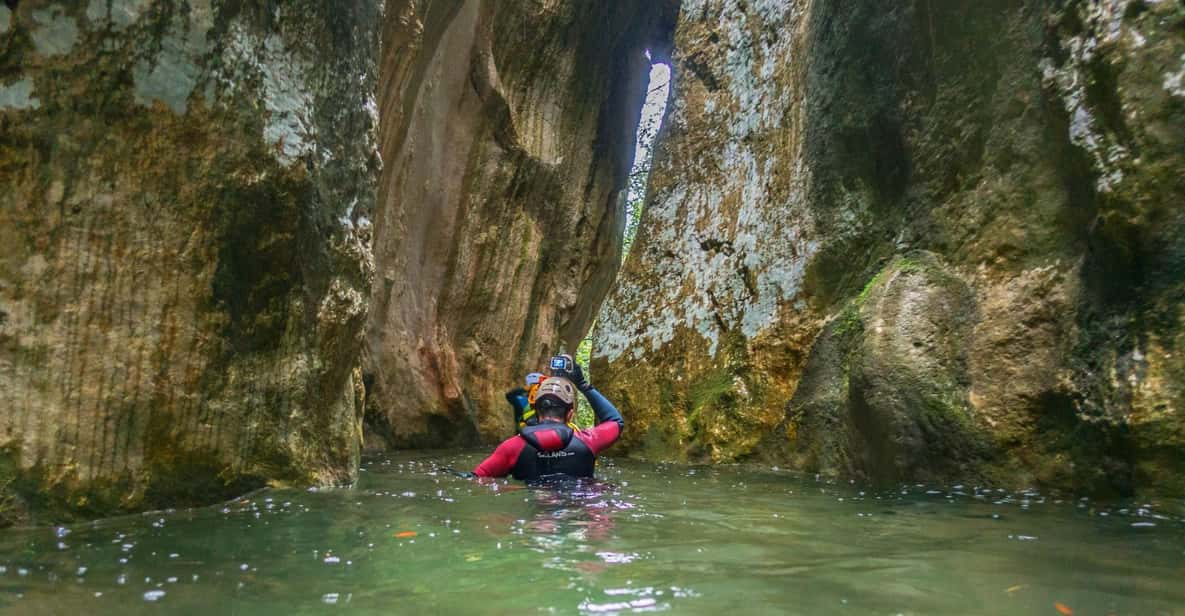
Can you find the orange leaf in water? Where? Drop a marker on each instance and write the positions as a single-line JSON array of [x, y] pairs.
[[1063, 609], [405, 534]]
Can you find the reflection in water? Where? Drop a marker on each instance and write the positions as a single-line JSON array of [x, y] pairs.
[[580, 509], [410, 538]]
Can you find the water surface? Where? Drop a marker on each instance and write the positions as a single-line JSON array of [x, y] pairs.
[[688, 540]]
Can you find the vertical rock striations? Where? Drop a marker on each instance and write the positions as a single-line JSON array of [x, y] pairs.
[[927, 240], [185, 262], [507, 135]]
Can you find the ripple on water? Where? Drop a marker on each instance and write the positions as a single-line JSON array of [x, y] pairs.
[[646, 538]]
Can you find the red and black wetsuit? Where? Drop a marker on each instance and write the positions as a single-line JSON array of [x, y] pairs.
[[552, 447]]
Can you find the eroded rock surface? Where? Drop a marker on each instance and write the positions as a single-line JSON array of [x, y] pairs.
[[508, 130], [872, 227], [185, 268]]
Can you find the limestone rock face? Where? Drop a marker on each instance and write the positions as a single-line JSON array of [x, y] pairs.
[[185, 263], [928, 240], [507, 134]]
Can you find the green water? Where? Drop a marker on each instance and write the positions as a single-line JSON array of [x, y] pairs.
[[645, 538]]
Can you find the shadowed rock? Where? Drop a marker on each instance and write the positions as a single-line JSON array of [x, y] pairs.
[[508, 133]]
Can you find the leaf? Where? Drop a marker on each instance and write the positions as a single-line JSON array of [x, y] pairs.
[[405, 534]]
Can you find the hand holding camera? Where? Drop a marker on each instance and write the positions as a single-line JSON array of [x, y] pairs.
[[564, 366]]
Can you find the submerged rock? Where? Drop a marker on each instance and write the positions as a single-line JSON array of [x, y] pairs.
[[812, 149], [185, 261]]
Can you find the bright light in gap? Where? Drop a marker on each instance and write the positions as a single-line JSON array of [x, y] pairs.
[[652, 110]]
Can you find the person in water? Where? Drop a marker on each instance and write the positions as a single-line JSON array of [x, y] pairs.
[[523, 401], [552, 447]]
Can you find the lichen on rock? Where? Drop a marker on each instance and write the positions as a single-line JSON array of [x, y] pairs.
[[181, 305], [812, 150]]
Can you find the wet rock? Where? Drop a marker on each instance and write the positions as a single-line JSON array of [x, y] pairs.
[[884, 395], [908, 383], [186, 264]]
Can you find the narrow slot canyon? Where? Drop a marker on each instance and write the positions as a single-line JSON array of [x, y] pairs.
[[288, 258]]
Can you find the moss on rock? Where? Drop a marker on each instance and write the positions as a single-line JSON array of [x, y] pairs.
[[186, 262]]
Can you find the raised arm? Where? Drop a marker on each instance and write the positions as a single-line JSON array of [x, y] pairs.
[[602, 408], [517, 398], [609, 420], [609, 423]]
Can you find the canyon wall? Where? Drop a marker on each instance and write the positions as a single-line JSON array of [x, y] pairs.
[[914, 241], [507, 138], [185, 262]]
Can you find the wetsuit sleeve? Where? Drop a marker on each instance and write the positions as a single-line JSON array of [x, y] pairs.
[[609, 423], [518, 401], [603, 409], [502, 461]]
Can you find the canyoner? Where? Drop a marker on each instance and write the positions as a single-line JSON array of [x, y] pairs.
[[522, 400], [552, 446]]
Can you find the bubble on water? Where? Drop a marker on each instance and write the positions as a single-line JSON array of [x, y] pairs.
[[22, 571], [98, 594], [172, 580], [329, 598], [61, 531], [123, 561], [332, 560], [80, 571], [121, 579], [243, 567], [174, 555], [1143, 524], [154, 595]]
